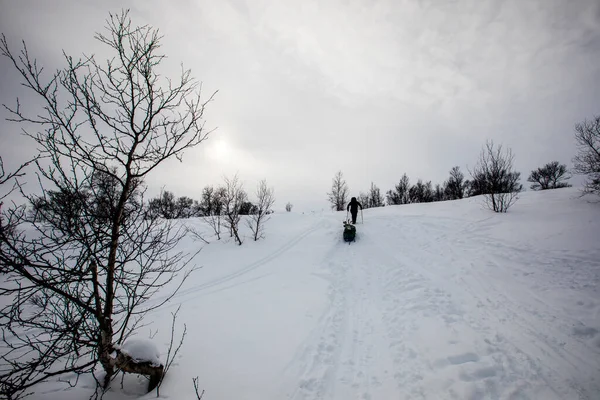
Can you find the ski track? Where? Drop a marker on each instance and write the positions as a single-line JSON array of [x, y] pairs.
[[405, 320], [231, 279], [343, 357]]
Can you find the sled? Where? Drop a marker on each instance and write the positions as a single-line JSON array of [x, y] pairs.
[[349, 232]]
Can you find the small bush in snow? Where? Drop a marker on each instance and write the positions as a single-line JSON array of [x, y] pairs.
[[495, 178], [550, 176]]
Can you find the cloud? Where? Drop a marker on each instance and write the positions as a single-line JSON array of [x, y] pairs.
[[372, 88]]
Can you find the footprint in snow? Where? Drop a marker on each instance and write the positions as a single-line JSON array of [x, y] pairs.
[[463, 358], [479, 374], [584, 331]]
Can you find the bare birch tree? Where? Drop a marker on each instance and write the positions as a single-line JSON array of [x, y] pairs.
[[265, 199], [338, 197], [234, 197], [214, 204], [76, 287]]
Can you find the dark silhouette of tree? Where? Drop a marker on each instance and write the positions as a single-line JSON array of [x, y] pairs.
[[455, 186], [163, 206], [476, 186], [167, 206], [550, 176], [587, 160], [421, 192], [206, 202], [247, 208], [185, 207], [400, 193], [439, 192]]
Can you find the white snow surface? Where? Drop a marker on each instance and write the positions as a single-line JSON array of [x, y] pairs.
[[141, 350], [433, 301]]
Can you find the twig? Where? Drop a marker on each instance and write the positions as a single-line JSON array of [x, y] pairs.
[[172, 354], [196, 388], [195, 234]]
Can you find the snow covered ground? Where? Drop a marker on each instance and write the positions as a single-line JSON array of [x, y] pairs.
[[433, 301]]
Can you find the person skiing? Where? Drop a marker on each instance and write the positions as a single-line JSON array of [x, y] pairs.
[[353, 208]]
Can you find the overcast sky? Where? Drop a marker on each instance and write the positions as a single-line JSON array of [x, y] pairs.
[[371, 88]]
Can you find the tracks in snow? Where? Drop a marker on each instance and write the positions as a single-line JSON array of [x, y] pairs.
[[414, 320], [231, 279], [346, 355], [517, 346]]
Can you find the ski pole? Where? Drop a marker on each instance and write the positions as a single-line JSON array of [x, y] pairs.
[[346, 215], [362, 221]]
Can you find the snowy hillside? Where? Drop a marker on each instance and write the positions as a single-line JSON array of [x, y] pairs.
[[433, 301]]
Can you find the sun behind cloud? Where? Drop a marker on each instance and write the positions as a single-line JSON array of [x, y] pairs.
[[220, 150]]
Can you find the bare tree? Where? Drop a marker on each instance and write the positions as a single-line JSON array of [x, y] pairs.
[[8, 184], [184, 207], [400, 194], [73, 292], [167, 206], [206, 202], [455, 186], [247, 208], [587, 160], [496, 178], [421, 192], [363, 199], [375, 198], [6, 177], [233, 198], [265, 199], [338, 197], [439, 192], [197, 389], [213, 208], [163, 206], [550, 176], [288, 207]]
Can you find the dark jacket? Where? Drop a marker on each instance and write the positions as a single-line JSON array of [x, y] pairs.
[[353, 206]]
